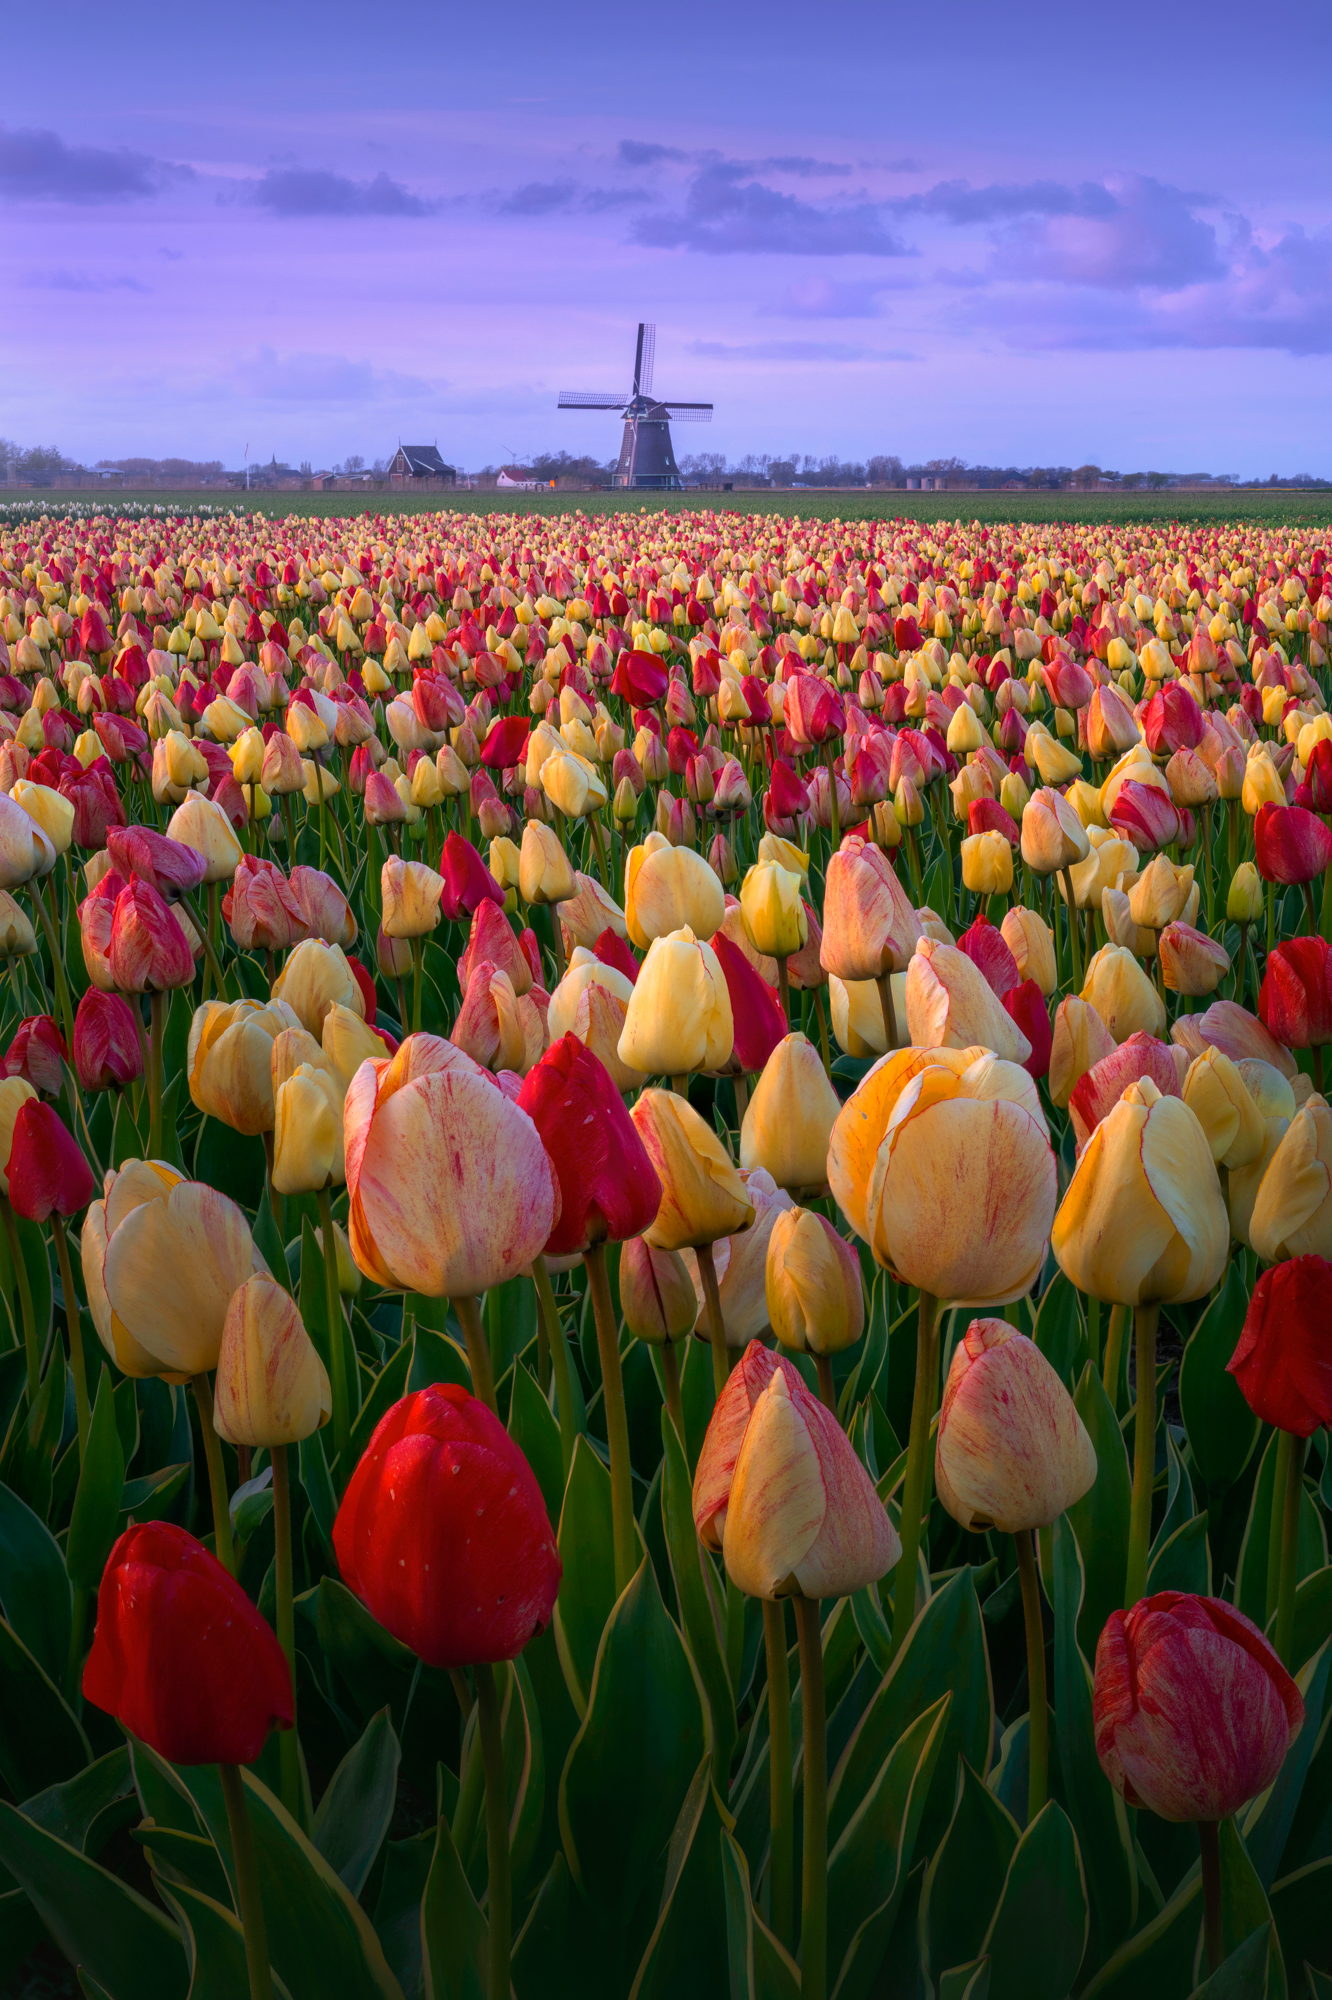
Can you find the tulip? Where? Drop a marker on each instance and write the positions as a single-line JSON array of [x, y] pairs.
[[489, 1026], [1162, 894], [1120, 991], [790, 1117], [758, 1021], [1191, 962], [106, 1045], [869, 926], [1292, 1214], [328, 915], [228, 1061], [545, 875], [1080, 1040], [173, 869], [148, 951], [1053, 837], [670, 889], [1291, 845], [17, 937], [272, 1388], [307, 1130], [587, 915], [38, 1054], [679, 1016], [987, 864], [1099, 1090], [1031, 942], [985, 947], [261, 908], [201, 825], [772, 910], [491, 937], [410, 898], [812, 1283], [1295, 1000], [1244, 898], [46, 808], [950, 1004]]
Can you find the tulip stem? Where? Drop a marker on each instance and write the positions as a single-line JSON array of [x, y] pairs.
[[780, 1850], [814, 1752], [418, 953], [721, 1360], [884, 982], [478, 1350], [248, 1897], [217, 1475], [916, 1483], [30, 1341], [76, 1361], [823, 1032], [1213, 1909], [559, 1359], [1290, 1543], [1074, 942], [784, 989], [155, 1076], [337, 1359], [670, 1368], [499, 1900], [210, 956], [1038, 1720], [617, 1422], [59, 987], [827, 1393], [1144, 1451], [288, 1743], [1114, 1348]]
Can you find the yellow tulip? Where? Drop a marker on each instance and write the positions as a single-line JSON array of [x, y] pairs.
[[228, 1060], [1217, 1095], [47, 808], [703, 1197], [1122, 994], [785, 853], [679, 1016], [773, 913], [1262, 781], [1244, 899], [1029, 938], [1053, 837], [347, 1042], [790, 1117], [201, 824], [812, 1282], [1011, 1450], [1161, 895], [272, 1388], [410, 893], [1292, 1214], [1275, 1101], [307, 1132], [987, 864], [668, 889], [14, 1094], [951, 1004], [545, 874], [316, 977]]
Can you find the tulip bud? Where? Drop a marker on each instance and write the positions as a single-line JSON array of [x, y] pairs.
[[772, 910], [271, 1388], [790, 1117], [1191, 962], [816, 1304], [17, 937], [987, 864], [106, 1049], [703, 1198], [1244, 899], [545, 873], [656, 1293], [1011, 1452], [679, 1016], [307, 1131], [410, 894]]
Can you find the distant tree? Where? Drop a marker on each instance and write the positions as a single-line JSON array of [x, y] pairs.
[[884, 469], [354, 463]]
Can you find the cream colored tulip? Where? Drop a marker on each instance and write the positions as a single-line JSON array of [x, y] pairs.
[[790, 1116], [703, 1197], [1122, 994], [679, 1015], [951, 1004]]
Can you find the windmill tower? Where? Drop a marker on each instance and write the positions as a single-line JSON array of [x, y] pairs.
[[646, 457]]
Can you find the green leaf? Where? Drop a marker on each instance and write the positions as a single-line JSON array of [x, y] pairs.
[[97, 1920], [318, 1485], [1160, 1957], [1244, 1906], [1044, 1899], [1311, 1548], [355, 1811], [454, 1937], [966, 1875], [189, 1858], [152, 1497], [1242, 1976], [268, 1238], [1100, 1520], [868, 1868], [1220, 1426], [966, 1982], [436, 1358], [1058, 1331], [1267, 1823], [232, 1162], [623, 1784], [700, 1626], [389, 1386], [759, 1967], [1183, 1561], [70, 1811], [34, 1435], [1313, 1616], [319, 1938], [33, 1586], [534, 1430], [587, 1588], [687, 1949], [95, 1520], [945, 1651], [377, 1668], [398, 1906], [214, 1944], [41, 1741], [1094, 1806], [1300, 1905]]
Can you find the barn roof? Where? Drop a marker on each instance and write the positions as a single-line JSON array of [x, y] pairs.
[[424, 460]]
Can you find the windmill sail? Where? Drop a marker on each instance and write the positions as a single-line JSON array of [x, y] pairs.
[[646, 456]]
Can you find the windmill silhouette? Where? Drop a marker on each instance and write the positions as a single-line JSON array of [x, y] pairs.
[[646, 456]]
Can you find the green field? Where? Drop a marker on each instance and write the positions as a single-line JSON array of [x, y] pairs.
[[1279, 507]]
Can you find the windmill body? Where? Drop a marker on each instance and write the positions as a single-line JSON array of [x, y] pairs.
[[647, 457]]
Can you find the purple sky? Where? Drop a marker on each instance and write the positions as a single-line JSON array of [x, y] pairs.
[[1044, 234]]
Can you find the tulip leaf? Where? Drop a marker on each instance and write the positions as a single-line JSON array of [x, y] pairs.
[[232, 1162], [1044, 1896], [95, 1521], [389, 1385], [966, 1982], [378, 1669], [319, 1938], [623, 1784], [1311, 1547], [183, 1857], [34, 1588], [37, 1263], [945, 1651], [700, 1626], [41, 1741], [1313, 1616], [687, 1948], [1183, 1561], [1095, 1808], [318, 1487], [563, 1952], [1244, 1907], [453, 1931], [524, 1779], [534, 1430], [1100, 1519], [357, 1806], [1267, 1823], [966, 1874], [214, 1944], [398, 1906], [587, 1588], [34, 1435], [20, 1930], [98, 1921], [73, 1811], [1058, 1331], [870, 1623], [268, 1241], [760, 1968], [435, 1358], [1179, 1506], [1300, 1904], [1243, 1975], [868, 1868], [1220, 1426]]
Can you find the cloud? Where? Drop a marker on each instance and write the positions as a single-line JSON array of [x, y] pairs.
[[296, 378], [290, 191], [539, 198], [725, 214], [790, 163], [644, 153], [828, 298], [786, 350], [39, 166], [87, 281], [960, 203]]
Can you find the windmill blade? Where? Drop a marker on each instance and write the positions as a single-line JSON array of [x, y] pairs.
[[590, 399], [648, 356], [688, 413]]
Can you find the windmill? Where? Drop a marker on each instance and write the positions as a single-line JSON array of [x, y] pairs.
[[646, 457]]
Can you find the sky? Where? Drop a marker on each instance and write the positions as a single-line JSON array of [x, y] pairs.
[[1034, 234]]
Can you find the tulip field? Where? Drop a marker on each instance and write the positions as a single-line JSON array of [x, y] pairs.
[[666, 1274]]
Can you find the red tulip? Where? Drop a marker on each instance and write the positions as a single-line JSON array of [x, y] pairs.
[[1172, 720], [1144, 815], [106, 1042], [1283, 1362], [36, 1054], [813, 712], [1318, 778], [755, 1009], [181, 1657], [988, 816], [984, 945], [1070, 685], [443, 1532], [612, 949], [97, 806], [506, 743], [906, 634], [1026, 1005], [365, 982], [491, 937], [1295, 1000], [149, 952], [261, 907], [93, 635], [608, 1186], [1193, 1711], [639, 678], [787, 791], [467, 881], [1097, 1093], [46, 1170], [173, 869], [1290, 844]]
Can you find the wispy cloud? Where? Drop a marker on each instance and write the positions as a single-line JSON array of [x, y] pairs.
[[291, 191], [87, 281], [306, 379], [38, 165], [726, 213]]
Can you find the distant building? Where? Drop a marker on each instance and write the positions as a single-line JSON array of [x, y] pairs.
[[518, 476], [421, 461]]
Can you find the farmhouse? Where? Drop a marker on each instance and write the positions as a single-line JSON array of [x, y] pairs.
[[423, 462]]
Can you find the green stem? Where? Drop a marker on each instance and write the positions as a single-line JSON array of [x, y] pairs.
[[823, 1031], [834, 818], [827, 1393], [1213, 1907], [478, 1351], [288, 1743], [1038, 1722], [559, 1357], [57, 964], [217, 1475], [499, 1900], [781, 1819], [210, 956], [617, 1422], [1114, 1348], [155, 1076], [418, 954], [337, 1359], [670, 1368], [74, 1329], [1290, 1541], [916, 1483], [1144, 1451], [1074, 951], [814, 1752], [78, 1620], [884, 982], [721, 1360], [1094, 1331], [1280, 1479], [30, 1340], [247, 1883]]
